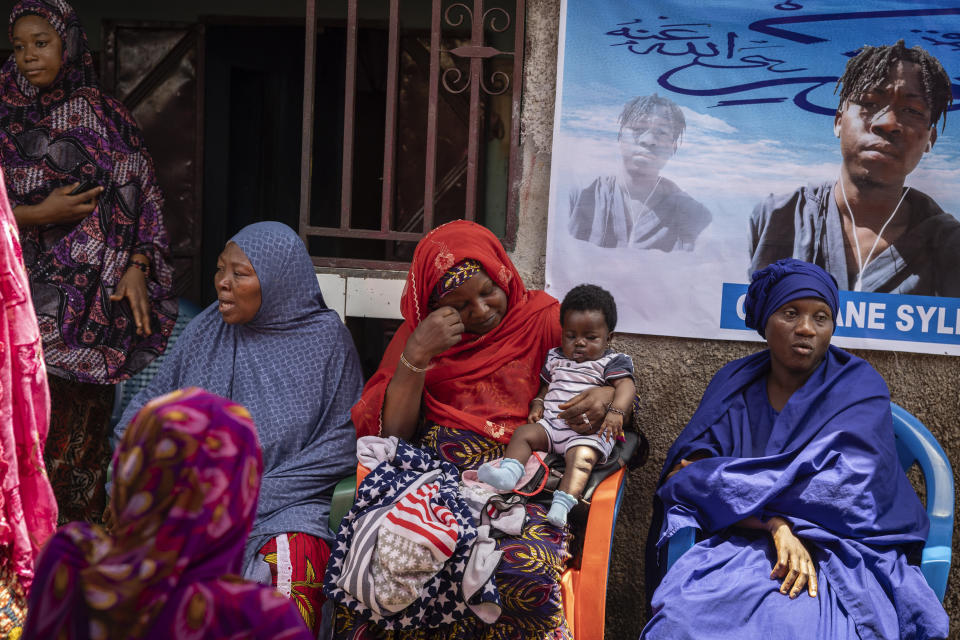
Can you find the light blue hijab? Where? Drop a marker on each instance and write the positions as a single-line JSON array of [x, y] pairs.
[[294, 366]]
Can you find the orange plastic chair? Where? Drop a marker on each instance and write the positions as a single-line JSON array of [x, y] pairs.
[[584, 590]]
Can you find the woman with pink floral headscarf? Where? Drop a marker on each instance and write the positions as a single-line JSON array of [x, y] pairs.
[[186, 481]]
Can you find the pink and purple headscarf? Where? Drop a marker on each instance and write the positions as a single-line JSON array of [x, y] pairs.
[[186, 481]]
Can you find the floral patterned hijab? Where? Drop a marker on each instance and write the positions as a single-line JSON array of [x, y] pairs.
[[186, 480]]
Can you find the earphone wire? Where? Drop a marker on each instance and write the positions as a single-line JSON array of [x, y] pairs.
[[862, 264], [650, 195]]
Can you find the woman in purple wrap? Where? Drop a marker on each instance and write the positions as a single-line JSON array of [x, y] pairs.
[[186, 480], [86, 200], [789, 470]]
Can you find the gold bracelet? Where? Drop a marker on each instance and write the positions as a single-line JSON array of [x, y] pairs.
[[407, 364]]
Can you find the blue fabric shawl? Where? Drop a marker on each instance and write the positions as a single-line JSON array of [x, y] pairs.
[[294, 366], [830, 467]]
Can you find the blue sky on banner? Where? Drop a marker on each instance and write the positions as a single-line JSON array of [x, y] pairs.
[[755, 81]]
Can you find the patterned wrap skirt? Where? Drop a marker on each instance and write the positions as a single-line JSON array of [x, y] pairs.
[[78, 452], [302, 579], [13, 603], [528, 577]]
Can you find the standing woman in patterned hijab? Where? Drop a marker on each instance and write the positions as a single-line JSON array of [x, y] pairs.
[[98, 259]]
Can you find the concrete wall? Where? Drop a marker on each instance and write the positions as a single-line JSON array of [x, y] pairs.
[[672, 372]]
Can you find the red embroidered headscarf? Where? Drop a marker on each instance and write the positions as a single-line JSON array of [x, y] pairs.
[[484, 383]]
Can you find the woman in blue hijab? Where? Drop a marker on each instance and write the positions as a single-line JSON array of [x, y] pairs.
[[789, 470], [271, 344]]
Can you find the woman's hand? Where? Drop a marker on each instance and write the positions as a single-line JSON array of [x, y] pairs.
[[794, 564], [133, 287], [435, 334], [585, 411], [684, 463], [689, 460], [59, 207]]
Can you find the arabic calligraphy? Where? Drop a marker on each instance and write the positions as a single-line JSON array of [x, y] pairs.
[[950, 40], [758, 63]]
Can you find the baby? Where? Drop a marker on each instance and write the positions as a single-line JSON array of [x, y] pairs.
[[588, 315]]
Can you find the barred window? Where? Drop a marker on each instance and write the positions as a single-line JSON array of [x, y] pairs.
[[410, 120]]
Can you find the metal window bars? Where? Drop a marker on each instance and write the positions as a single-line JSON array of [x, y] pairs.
[[466, 78]]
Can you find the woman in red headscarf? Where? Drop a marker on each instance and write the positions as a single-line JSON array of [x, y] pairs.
[[458, 378]]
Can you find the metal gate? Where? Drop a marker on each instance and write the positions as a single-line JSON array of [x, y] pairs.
[[450, 127]]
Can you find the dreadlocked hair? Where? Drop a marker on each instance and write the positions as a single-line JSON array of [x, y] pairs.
[[871, 67], [636, 110]]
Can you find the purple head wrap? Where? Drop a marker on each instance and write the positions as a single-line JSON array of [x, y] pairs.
[[783, 281], [186, 484]]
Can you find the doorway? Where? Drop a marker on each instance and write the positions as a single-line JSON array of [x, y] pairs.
[[253, 100]]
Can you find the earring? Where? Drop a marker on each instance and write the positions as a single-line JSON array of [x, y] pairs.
[[929, 146]]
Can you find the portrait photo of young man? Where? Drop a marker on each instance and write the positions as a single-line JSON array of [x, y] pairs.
[[638, 207], [864, 226]]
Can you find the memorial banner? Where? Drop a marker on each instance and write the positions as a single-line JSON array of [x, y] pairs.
[[697, 142]]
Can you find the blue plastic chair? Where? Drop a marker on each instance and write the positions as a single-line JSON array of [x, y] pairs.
[[915, 443]]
